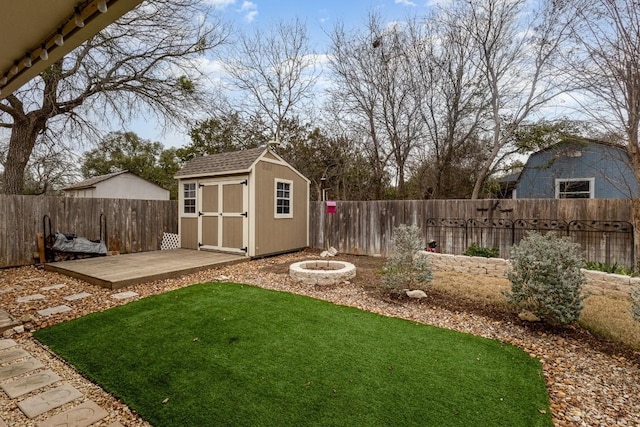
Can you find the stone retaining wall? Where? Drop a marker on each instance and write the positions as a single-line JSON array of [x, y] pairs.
[[598, 283]]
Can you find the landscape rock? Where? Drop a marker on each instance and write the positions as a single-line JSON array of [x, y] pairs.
[[417, 293]]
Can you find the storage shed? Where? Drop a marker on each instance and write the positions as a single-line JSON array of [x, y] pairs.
[[249, 201]]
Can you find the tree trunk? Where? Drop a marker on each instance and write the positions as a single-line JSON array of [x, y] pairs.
[[23, 139]]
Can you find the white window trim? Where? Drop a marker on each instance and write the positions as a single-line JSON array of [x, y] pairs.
[[275, 198], [181, 207], [591, 185]]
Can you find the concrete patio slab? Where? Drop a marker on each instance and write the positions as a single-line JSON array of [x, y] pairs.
[[117, 271], [51, 399]]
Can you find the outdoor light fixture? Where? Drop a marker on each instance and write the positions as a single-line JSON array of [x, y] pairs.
[[27, 60], [14, 69], [78, 18], [44, 55], [4, 80], [102, 6], [59, 38]]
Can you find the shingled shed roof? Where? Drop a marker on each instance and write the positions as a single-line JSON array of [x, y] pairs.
[[216, 164], [91, 182]]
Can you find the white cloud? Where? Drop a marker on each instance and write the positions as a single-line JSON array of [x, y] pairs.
[[248, 5], [405, 2], [251, 16], [220, 4], [250, 9]]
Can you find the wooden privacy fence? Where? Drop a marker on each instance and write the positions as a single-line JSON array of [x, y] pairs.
[[603, 228], [132, 225]]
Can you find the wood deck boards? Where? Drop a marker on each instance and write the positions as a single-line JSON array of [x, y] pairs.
[[115, 272]]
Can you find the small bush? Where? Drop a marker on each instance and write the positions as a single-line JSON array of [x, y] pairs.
[[405, 268], [635, 301], [611, 269], [475, 250], [546, 278]]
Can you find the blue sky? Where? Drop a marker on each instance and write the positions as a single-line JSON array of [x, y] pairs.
[[319, 16]]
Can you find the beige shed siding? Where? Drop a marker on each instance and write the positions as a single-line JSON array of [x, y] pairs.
[[210, 231], [274, 235], [232, 234], [232, 198], [210, 198], [189, 233]]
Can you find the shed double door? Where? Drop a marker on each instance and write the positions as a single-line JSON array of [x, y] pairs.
[[223, 216]]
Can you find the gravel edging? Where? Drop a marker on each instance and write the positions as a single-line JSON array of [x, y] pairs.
[[586, 387]]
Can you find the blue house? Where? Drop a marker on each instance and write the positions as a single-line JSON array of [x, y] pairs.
[[577, 169]]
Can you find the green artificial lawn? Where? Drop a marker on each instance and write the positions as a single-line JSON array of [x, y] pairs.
[[223, 354]]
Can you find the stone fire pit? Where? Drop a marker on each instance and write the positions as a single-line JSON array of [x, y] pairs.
[[322, 272]]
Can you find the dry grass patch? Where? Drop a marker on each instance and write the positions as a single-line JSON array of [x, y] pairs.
[[606, 316], [610, 317], [485, 289]]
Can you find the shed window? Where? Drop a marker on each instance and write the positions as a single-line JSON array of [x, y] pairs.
[[574, 188], [189, 198], [284, 199]]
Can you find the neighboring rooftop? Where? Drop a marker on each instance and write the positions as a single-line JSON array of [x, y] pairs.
[[91, 182]]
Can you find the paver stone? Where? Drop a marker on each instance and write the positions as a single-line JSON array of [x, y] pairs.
[[12, 354], [53, 287], [5, 344], [80, 416], [124, 295], [28, 384], [74, 297], [15, 369], [33, 297], [43, 402], [54, 310]]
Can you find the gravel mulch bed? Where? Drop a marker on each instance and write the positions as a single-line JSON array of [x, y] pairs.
[[589, 383]]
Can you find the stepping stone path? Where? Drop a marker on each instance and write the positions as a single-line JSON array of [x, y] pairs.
[[19, 362], [22, 374]]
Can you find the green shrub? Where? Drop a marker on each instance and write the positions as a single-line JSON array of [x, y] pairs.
[[405, 267], [475, 250], [546, 278], [635, 300], [611, 269]]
